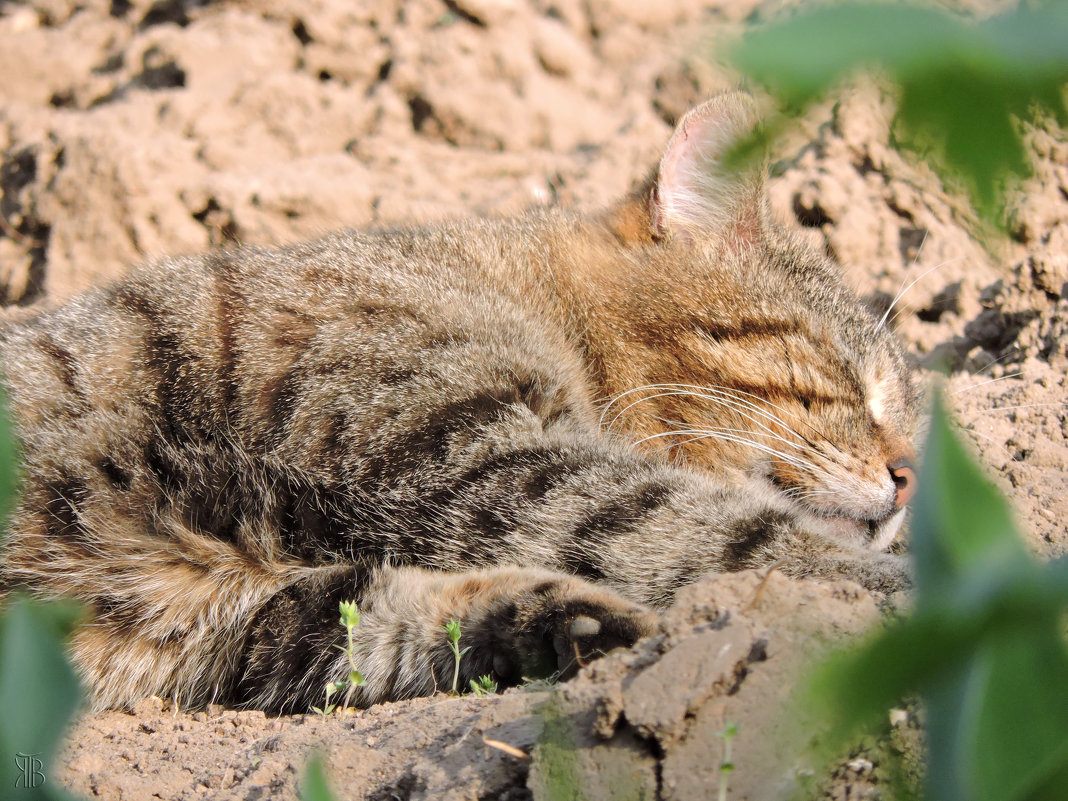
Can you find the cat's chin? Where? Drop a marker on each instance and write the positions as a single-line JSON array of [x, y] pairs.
[[873, 535], [884, 533]]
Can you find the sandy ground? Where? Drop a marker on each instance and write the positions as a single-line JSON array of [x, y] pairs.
[[131, 129]]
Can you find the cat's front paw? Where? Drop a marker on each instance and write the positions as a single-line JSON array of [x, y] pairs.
[[556, 626]]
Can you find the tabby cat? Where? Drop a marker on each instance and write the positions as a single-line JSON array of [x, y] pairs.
[[542, 427]]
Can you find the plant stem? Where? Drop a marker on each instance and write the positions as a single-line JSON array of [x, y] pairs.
[[726, 767], [455, 669], [722, 773]]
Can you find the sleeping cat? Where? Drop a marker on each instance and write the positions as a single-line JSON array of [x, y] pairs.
[[542, 427]]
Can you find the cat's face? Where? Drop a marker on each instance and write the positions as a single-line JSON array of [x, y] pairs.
[[748, 357]]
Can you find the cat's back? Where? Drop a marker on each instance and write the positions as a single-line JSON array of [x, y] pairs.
[[228, 344]]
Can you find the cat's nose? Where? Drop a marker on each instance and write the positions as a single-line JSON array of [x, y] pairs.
[[904, 476]]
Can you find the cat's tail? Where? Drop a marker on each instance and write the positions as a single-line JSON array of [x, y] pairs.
[[165, 613]]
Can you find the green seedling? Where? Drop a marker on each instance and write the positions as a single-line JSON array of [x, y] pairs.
[[485, 685], [726, 766], [350, 619], [452, 631], [327, 707]]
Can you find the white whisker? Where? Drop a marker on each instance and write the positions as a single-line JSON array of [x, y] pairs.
[[732, 393], [726, 436], [984, 383], [643, 400], [998, 443], [740, 406], [737, 404], [783, 409], [992, 362], [622, 395], [901, 293], [1017, 406], [919, 250]]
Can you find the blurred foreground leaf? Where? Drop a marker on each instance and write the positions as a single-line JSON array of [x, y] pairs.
[[985, 647], [315, 786], [38, 695], [963, 84]]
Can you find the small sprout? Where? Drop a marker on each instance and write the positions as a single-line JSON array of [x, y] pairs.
[[540, 684], [446, 19], [350, 619], [327, 708], [484, 686], [452, 631], [350, 615], [726, 766]]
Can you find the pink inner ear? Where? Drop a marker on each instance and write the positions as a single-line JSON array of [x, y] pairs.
[[693, 190], [697, 138]]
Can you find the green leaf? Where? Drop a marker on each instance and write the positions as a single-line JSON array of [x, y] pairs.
[[963, 84], [350, 615], [961, 525], [485, 685], [998, 724], [452, 630], [984, 647], [315, 787], [38, 690], [801, 56]]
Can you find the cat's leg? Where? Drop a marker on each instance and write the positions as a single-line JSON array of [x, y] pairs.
[[557, 497], [799, 548], [515, 623]]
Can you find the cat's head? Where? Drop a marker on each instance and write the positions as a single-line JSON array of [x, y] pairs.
[[737, 348]]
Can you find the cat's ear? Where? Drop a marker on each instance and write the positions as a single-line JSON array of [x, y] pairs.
[[695, 195]]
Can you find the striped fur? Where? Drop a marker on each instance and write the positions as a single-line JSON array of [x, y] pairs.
[[540, 426]]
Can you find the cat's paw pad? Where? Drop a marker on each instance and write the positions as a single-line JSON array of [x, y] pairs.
[[559, 629], [583, 626], [579, 640]]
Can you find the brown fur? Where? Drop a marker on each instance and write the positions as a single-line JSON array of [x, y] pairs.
[[539, 426]]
